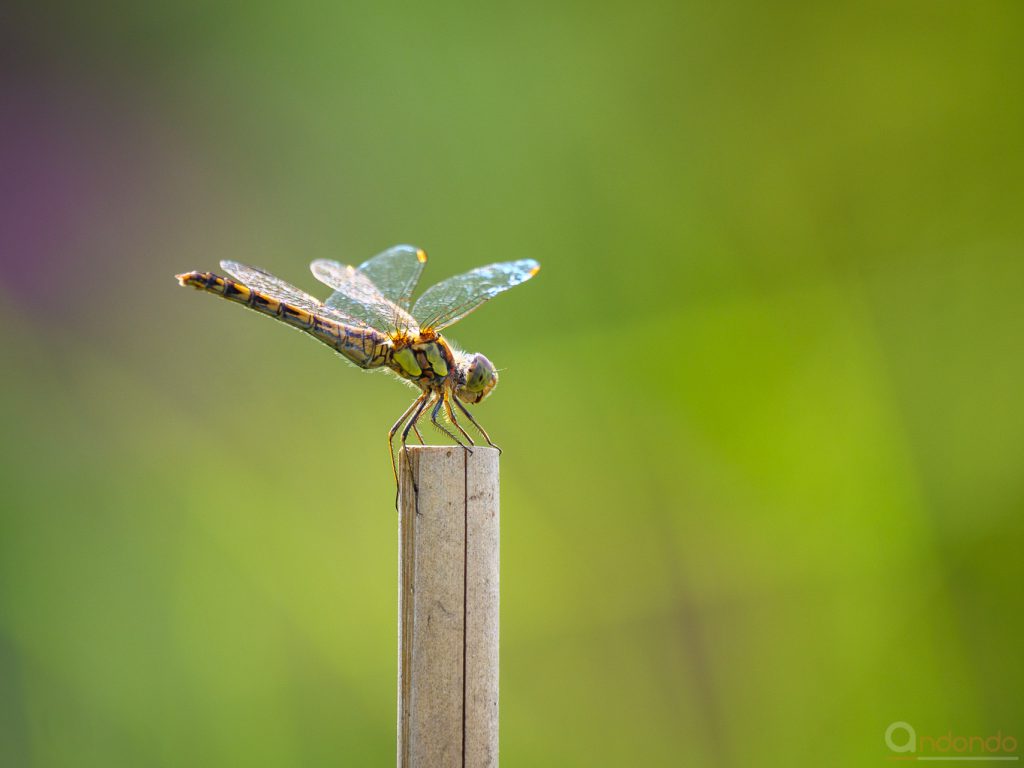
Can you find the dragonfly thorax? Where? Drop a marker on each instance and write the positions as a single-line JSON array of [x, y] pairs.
[[433, 364], [425, 360]]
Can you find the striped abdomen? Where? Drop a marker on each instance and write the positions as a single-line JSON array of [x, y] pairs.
[[365, 347]]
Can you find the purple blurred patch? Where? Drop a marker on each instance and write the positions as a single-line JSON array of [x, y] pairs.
[[71, 170]]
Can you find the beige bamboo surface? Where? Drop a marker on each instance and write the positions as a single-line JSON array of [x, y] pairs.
[[448, 608]]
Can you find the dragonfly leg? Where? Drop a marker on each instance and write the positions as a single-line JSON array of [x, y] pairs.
[[391, 434], [419, 437], [419, 405], [475, 424], [433, 420], [415, 417], [455, 421]]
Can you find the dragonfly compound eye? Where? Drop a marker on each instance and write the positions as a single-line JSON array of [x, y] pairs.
[[481, 378]]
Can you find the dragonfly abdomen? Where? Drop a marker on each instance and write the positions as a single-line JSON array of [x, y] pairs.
[[366, 347]]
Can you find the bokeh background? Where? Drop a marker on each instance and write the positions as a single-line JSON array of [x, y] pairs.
[[761, 410]]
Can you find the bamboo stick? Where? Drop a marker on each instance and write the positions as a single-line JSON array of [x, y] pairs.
[[448, 608]]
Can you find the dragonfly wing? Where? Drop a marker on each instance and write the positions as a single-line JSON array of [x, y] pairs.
[[454, 298], [395, 272], [276, 288], [358, 296]]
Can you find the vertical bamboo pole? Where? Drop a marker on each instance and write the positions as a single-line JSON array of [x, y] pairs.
[[448, 608]]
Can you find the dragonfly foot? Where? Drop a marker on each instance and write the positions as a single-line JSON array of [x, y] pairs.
[[441, 427]]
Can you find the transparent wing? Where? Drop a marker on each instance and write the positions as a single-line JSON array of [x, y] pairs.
[[358, 296], [454, 298], [395, 272], [264, 282]]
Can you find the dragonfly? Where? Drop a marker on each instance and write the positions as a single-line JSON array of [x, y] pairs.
[[370, 321]]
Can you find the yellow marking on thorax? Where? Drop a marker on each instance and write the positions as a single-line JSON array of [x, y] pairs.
[[436, 360], [406, 359]]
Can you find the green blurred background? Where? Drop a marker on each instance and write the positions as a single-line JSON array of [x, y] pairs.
[[761, 409]]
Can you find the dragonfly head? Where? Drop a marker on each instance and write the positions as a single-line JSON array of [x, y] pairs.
[[479, 378]]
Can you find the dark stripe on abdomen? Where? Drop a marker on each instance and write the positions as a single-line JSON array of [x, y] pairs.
[[365, 347]]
